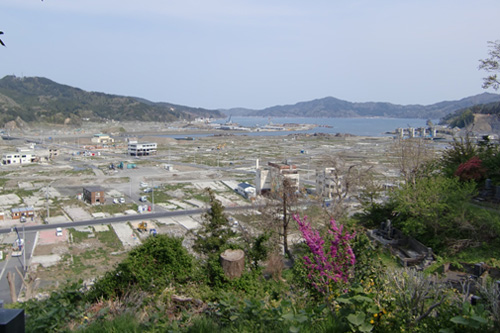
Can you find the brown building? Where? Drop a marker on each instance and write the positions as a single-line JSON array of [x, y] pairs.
[[94, 195], [18, 213]]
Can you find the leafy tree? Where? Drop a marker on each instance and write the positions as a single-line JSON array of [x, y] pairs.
[[489, 153], [259, 249], [460, 151], [215, 231], [433, 208], [491, 65]]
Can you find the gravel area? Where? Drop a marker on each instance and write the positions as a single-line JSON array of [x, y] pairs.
[[46, 260], [187, 222], [8, 200], [77, 213], [126, 235]]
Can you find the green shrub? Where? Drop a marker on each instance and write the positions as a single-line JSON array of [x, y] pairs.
[[126, 323], [54, 313], [161, 260]]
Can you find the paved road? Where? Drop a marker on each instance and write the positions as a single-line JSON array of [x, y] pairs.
[[10, 264], [126, 218]]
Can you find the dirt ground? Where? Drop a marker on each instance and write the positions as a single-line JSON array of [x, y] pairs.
[[52, 186], [84, 260]]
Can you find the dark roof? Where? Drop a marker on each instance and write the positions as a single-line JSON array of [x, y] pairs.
[[244, 185], [93, 188]]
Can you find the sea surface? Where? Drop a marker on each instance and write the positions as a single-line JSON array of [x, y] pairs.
[[355, 126], [374, 127]]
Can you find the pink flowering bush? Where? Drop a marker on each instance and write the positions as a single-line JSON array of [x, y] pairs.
[[332, 259]]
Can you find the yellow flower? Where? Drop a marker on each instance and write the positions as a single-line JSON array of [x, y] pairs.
[[375, 315], [372, 322]]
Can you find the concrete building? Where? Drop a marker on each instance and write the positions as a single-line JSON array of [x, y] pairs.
[[327, 182], [102, 139], [141, 149], [20, 157], [269, 179], [47, 154], [93, 195]]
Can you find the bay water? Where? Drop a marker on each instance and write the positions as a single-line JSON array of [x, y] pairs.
[[356, 126]]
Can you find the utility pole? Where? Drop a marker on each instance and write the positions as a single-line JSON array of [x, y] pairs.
[[24, 252], [47, 201], [308, 164]]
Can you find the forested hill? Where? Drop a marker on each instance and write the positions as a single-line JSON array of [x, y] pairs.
[[482, 117], [37, 99], [333, 107]]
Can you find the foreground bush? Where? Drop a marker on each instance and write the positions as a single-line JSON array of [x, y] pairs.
[[160, 261]]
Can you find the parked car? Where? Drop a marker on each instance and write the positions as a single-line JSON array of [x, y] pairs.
[[59, 232], [143, 198], [122, 200], [148, 190], [115, 201]]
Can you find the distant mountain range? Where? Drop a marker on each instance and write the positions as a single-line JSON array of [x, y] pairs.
[[335, 108], [37, 99]]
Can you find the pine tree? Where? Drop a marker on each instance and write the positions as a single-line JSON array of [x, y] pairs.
[[215, 231]]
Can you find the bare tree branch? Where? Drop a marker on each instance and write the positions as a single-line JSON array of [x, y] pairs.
[[491, 65]]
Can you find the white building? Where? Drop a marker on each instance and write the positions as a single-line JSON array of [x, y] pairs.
[[246, 190], [20, 157], [141, 149]]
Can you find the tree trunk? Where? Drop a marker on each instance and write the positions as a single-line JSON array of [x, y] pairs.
[[11, 277], [233, 263], [285, 217]]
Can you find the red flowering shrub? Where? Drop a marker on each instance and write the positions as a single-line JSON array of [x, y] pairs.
[[471, 170]]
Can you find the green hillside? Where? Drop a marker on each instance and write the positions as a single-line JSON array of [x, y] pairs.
[[36, 99], [467, 116]]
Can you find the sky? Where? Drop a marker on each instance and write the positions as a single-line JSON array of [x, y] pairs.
[[220, 54]]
